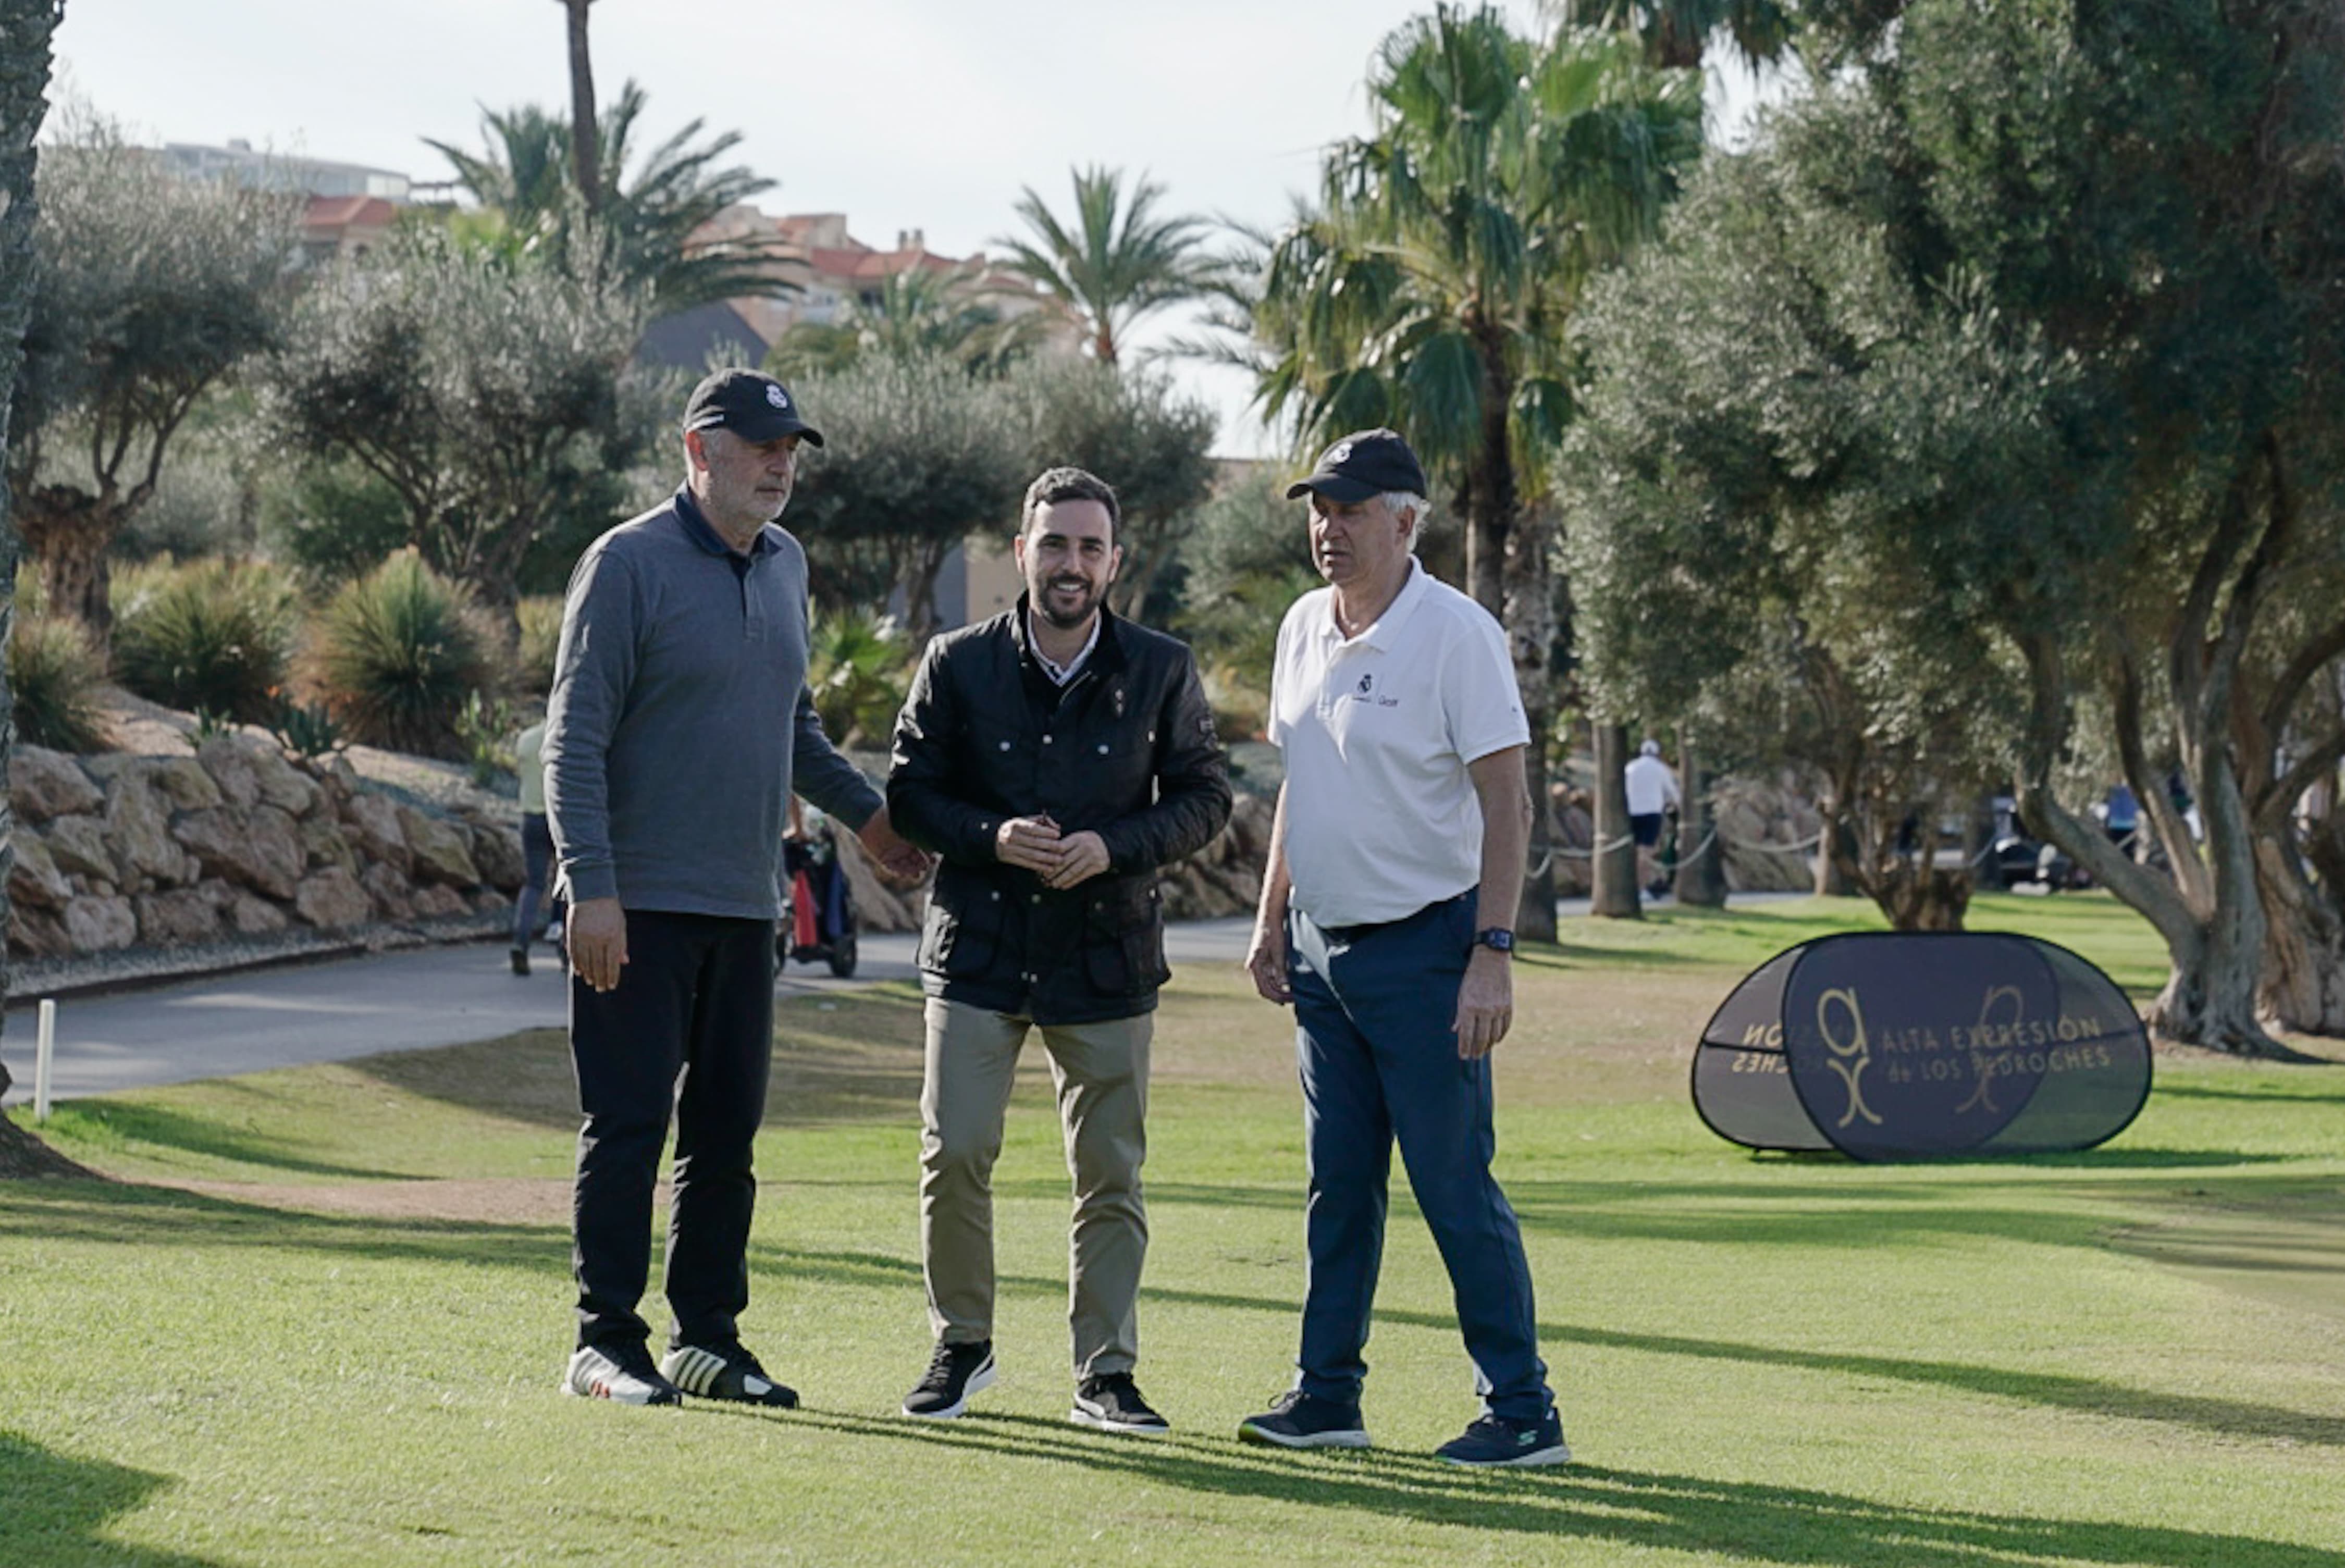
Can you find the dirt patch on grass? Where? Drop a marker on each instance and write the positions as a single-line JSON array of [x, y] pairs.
[[516, 1200]]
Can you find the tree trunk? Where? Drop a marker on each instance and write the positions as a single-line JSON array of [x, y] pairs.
[[25, 29], [1917, 896], [2303, 984], [71, 534], [1701, 859], [586, 135], [1529, 623], [1617, 895], [1836, 852]]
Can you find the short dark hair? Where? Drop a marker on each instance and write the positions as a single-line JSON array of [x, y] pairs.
[[1069, 484]]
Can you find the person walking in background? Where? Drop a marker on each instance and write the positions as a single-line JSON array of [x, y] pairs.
[[1388, 905], [1056, 757], [1652, 790], [678, 726], [536, 852]]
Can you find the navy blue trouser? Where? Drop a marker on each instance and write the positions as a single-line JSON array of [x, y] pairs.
[[1373, 1007], [537, 864], [695, 1001]]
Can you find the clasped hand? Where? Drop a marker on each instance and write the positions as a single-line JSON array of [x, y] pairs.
[[1062, 861]]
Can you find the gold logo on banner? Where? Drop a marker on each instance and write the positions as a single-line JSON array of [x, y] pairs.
[[1849, 1057], [1984, 1096]]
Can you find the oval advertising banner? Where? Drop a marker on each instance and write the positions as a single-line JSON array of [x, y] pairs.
[[1899, 1045]]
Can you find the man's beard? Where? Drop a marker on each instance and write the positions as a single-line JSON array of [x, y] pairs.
[[1067, 621]]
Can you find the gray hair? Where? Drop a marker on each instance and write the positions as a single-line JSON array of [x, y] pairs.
[[1397, 501]]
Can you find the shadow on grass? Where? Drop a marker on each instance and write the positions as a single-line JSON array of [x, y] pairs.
[[2314, 1089], [138, 1122], [57, 1508], [122, 1214], [1621, 1509]]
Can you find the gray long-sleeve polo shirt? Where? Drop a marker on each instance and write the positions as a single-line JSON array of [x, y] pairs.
[[680, 719]]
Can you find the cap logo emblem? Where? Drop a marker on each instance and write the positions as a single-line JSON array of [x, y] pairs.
[[777, 397], [1343, 453]]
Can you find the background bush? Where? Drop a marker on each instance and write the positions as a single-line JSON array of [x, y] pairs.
[[397, 652], [540, 618], [212, 636], [859, 668], [55, 674]]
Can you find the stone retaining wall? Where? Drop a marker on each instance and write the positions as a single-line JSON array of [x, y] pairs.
[[119, 851]]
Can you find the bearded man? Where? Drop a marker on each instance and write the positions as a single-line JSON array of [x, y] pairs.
[[1055, 757]]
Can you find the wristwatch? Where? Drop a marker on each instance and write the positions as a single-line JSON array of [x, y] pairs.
[[1497, 939]]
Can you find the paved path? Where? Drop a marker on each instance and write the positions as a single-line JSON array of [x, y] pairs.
[[259, 1019]]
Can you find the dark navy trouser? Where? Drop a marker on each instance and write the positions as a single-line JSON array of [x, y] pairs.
[[696, 998], [1373, 1007]]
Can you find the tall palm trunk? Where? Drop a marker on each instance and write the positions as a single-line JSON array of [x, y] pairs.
[[586, 135], [1617, 895]]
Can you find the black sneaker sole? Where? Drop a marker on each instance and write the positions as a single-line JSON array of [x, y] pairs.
[[1348, 1438], [979, 1382]]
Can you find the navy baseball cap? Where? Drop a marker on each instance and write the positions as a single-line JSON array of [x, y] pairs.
[[1363, 463], [751, 406]]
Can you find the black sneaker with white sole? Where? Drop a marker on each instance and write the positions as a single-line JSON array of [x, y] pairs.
[[1111, 1404], [1496, 1441], [954, 1372], [726, 1373], [624, 1373], [1298, 1420]]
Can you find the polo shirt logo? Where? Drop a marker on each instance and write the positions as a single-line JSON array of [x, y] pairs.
[[1366, 691]]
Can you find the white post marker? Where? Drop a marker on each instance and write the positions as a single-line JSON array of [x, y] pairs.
[[43, 1050]]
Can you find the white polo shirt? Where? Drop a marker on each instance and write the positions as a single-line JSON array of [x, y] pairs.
[[1381, 815]]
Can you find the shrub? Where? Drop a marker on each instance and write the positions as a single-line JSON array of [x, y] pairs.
[[541, 635], [211, 637], [859, 670], [396, 655], [55, 674]]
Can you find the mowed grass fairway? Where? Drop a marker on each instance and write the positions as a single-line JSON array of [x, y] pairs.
[[319, 1316]]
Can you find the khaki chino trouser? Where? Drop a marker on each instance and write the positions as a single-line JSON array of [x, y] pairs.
[[1102, 1073]]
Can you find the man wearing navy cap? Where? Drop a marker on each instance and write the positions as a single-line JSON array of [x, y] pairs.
[[678, 726], [1387, 904]]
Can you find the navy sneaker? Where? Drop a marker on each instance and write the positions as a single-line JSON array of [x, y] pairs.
[[726, 1373], [1495, 1440], [1300, 1421], [954, 1372]]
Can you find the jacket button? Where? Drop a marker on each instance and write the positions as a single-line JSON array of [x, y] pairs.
[[1005, 746], [1034, 898], [995, 895], [1103, 749], [1046, 740]]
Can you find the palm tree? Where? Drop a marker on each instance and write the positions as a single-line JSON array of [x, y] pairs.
[[1432, 287], [1119, 262], [585, 143], [919, 312], [642, 232]]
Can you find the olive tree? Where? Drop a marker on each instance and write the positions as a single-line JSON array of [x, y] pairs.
[[148, 291], [493, 394]]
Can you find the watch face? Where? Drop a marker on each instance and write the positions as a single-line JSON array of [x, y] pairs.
[[1496, 940]]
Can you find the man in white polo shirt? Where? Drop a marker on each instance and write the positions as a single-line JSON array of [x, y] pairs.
[[1396, 862]]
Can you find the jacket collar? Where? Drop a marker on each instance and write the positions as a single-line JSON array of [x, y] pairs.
[[1107, 659]]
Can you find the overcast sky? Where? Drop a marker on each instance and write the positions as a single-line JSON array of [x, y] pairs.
[[902, 114]]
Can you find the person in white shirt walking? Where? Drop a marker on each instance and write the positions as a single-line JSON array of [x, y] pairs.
[[1652, 789]]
